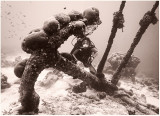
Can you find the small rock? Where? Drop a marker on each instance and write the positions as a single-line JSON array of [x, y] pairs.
[[147, 83], [65, 99], [157, 110], [97, 102], [79, 88], [143, 98], [157, 87], [131, 111], [4, 83], [90, 101], [120, 93], [101, 95], [75, 111], [92, 97], [154, 108], [119, 84], [130, 92], [156, 82], [151, 88], [75, 108]]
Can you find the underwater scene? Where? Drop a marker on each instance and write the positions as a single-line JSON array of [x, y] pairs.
[[79, 57]]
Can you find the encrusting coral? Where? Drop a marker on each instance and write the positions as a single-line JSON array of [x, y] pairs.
[[42, 44]]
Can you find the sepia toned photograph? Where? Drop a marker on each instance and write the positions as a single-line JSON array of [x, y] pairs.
[[79, 57]]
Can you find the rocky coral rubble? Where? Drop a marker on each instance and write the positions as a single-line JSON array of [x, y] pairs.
[[115, 60], [4, 83]]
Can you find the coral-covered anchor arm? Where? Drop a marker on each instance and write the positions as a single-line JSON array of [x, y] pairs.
[[42, 44]]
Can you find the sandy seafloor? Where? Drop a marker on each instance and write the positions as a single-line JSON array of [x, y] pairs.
[[56, 96]]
